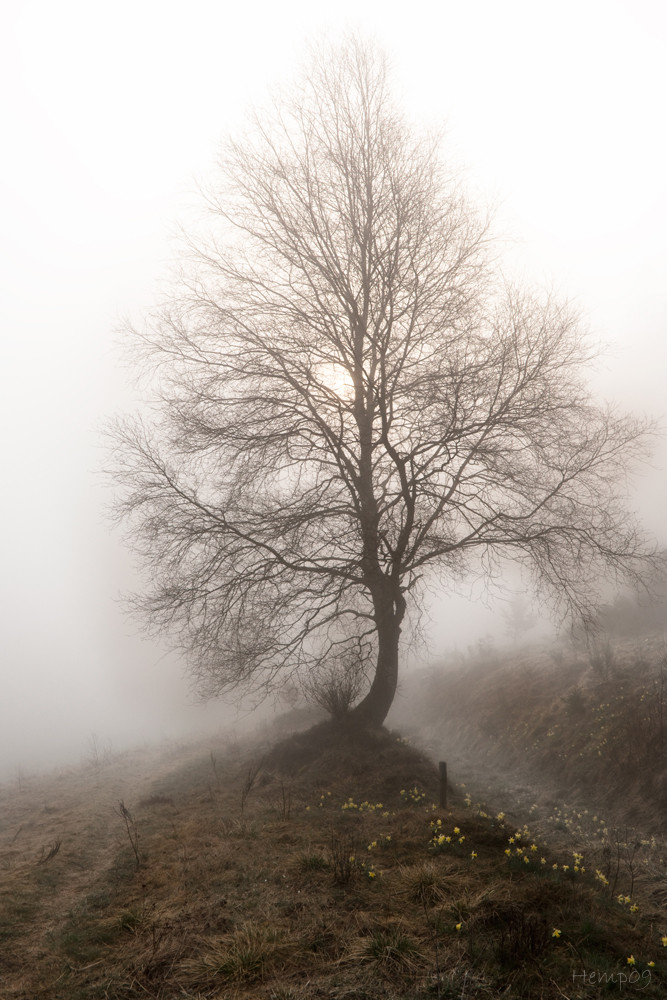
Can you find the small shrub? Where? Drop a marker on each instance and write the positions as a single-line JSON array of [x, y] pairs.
[[100, 753], [343, 857], [249, 783], [337, 683], [131, 830]]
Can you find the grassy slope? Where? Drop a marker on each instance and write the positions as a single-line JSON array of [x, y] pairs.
[[244, 885], [587, 727]]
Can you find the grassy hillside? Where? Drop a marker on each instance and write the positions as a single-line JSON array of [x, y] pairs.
[[321, 866], [585, 725]]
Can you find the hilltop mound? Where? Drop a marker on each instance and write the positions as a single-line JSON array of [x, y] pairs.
[[375, 762]]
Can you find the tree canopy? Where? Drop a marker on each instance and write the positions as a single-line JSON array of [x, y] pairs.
[[350, 398]]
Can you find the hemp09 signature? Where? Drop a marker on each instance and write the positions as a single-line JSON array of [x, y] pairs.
[[634, 977]]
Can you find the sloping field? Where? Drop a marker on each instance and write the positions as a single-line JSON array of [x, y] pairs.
[[585, 727], [319, 866]]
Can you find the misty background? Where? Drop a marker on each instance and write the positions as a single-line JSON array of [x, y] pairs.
[[111, 114]]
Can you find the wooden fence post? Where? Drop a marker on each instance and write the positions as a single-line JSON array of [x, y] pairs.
[[443, 784]]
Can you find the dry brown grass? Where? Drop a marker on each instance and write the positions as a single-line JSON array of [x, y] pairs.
[[238, 895], [584, 725]]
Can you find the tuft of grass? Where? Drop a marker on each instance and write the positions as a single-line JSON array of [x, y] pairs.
[[247, 955], [422, 884], [392, 950]]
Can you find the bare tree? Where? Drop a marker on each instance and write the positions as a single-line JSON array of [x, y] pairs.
[[351, 401]]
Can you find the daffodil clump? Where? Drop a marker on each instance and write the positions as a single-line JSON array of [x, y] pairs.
[[627, 901], [441, 840], [412, 795], [577, 868], [365, 806], [366, 870], [522, 850], [496, 821]]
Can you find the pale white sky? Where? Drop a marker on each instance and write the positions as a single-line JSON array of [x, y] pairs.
[[110, 111]]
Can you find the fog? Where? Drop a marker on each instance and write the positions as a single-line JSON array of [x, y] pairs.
[[555, 113]]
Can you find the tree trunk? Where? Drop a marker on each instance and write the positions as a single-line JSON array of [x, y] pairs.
[[374, 708]]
